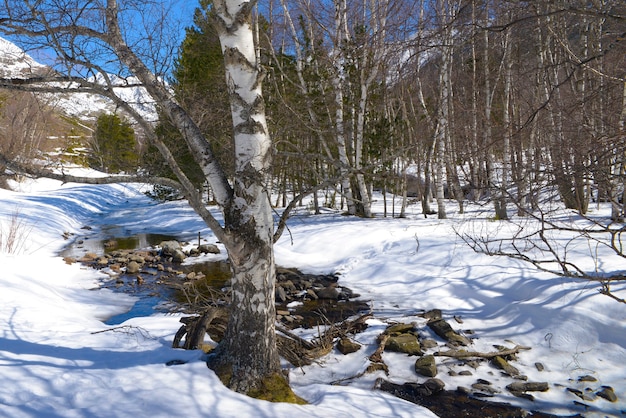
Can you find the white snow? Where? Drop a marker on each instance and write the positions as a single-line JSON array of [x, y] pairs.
[[16, 63], [59, 359]]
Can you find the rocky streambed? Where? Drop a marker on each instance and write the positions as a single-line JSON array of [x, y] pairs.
[[165, 280]]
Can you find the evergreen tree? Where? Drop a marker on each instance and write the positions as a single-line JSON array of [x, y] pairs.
[[199, 85], [113, 145]]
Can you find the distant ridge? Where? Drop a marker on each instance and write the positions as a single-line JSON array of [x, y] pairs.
[[15, 63]]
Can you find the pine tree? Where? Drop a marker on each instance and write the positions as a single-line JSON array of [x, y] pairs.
[[199, 86], [114, 145]]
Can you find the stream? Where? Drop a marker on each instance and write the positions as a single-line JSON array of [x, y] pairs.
[[161, 285], [303, 300]]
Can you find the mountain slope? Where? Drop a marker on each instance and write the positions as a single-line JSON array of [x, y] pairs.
[[15, 63]]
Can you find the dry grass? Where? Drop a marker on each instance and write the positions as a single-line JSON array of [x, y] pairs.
[[14, 234]]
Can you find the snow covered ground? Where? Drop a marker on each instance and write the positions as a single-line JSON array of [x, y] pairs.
[[59, 359]]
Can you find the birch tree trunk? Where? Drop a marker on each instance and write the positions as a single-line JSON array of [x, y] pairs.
[[447, 10], [247, 355], [248, 349], [501, 198], [339, 61]]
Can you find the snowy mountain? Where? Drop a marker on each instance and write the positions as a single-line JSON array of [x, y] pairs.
[[15, 63]]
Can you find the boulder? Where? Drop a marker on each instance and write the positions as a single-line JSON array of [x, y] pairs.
[[445, 331], [607, 393], [208, 249], [168, 248], [404, 343], [347, 346], [426, 366], [133, 267]]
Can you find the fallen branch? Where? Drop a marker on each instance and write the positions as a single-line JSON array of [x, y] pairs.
[[466, 354], [606, 290], [377, 356], [128, 330]]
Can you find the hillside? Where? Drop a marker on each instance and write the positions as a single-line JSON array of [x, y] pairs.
[[15, 63]]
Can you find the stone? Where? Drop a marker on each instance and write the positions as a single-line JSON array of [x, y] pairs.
[[169, 247], [428, 343], [445, 331], [400, 328], [587, 378], [404, 343], [463, 390], [347, 346], [328, 293], [434, 385], [288, 285], [209, 249], [540, 367], [178, 256], [376, 367], [501, 363], [281, 296], [585, 396], [137, 258], [133, 267], [485, 388], [433, 314], [607, 393], [426, 366], [473, 364], [528, 387]]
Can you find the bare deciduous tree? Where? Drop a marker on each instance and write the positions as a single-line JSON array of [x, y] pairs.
[[99, 44], [23, 122]]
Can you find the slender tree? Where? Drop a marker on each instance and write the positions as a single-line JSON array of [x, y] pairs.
[[80, 32]]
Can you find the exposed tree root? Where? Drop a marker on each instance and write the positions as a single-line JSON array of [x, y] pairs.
[[291, 347]]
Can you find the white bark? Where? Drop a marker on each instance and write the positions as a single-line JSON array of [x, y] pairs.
[[339, 61], [501, 211], [249, 345]]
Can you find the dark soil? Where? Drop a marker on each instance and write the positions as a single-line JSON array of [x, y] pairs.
[[454, 404]]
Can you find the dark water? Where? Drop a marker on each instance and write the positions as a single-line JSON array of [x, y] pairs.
[[107, 242], [170, 290], [161, 291]]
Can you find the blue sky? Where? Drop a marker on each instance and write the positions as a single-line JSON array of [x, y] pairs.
[[179, 13]]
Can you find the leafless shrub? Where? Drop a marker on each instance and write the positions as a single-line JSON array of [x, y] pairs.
[[553, 242], [13, 234]]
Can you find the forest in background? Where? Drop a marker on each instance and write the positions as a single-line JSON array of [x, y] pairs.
[[509, 102]]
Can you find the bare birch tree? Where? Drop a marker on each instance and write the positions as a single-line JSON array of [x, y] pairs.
[[87, 34]]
